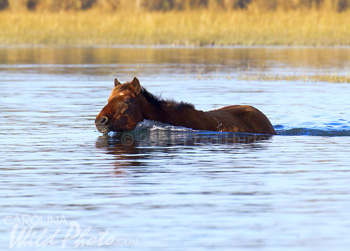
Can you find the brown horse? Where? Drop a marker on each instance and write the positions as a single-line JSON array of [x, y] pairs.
[[130, 104]]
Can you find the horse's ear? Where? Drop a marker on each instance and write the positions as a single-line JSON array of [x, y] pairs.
[[116, 82], [135, 86]]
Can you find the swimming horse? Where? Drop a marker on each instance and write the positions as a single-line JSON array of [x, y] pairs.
[[129, 104]]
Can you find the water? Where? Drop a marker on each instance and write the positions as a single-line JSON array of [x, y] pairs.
[[167, 187]]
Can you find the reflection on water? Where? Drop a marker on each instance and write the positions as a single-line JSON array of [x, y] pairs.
[[183, 138], [131, 148], [165, 187], [198, 62]]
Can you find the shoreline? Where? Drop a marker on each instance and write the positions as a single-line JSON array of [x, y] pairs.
[[169, 46]]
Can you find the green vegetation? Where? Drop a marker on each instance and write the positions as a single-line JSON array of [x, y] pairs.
[[175, 22]]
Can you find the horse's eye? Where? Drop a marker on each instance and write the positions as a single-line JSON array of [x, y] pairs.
[[127, 101]]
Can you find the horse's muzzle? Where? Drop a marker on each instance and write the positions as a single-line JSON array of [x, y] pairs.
[[101, 124]]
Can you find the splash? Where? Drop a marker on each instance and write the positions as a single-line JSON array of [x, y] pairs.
[[159, 126], [149, 125]]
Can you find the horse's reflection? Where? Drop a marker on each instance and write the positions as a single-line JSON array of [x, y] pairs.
[[126, 154], [132, 149]]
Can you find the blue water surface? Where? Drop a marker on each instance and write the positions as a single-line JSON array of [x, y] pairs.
[[66, 186]]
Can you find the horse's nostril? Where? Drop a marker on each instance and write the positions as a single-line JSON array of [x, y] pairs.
[[103, 120]]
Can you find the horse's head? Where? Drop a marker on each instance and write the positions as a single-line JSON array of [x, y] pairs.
[[122, 113]]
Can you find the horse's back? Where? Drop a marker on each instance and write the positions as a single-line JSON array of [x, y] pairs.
[[252, 119]]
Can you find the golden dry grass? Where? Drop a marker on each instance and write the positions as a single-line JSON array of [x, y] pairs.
[[194, 27]]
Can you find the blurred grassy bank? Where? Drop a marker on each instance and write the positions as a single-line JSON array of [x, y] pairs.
[[188, 27]]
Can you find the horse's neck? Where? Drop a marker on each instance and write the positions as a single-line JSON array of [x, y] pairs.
[[187, 117]]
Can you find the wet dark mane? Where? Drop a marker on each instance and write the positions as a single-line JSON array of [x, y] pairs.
[[165, 103]]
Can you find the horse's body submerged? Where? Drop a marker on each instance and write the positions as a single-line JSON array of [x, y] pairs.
[[130, 104]]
